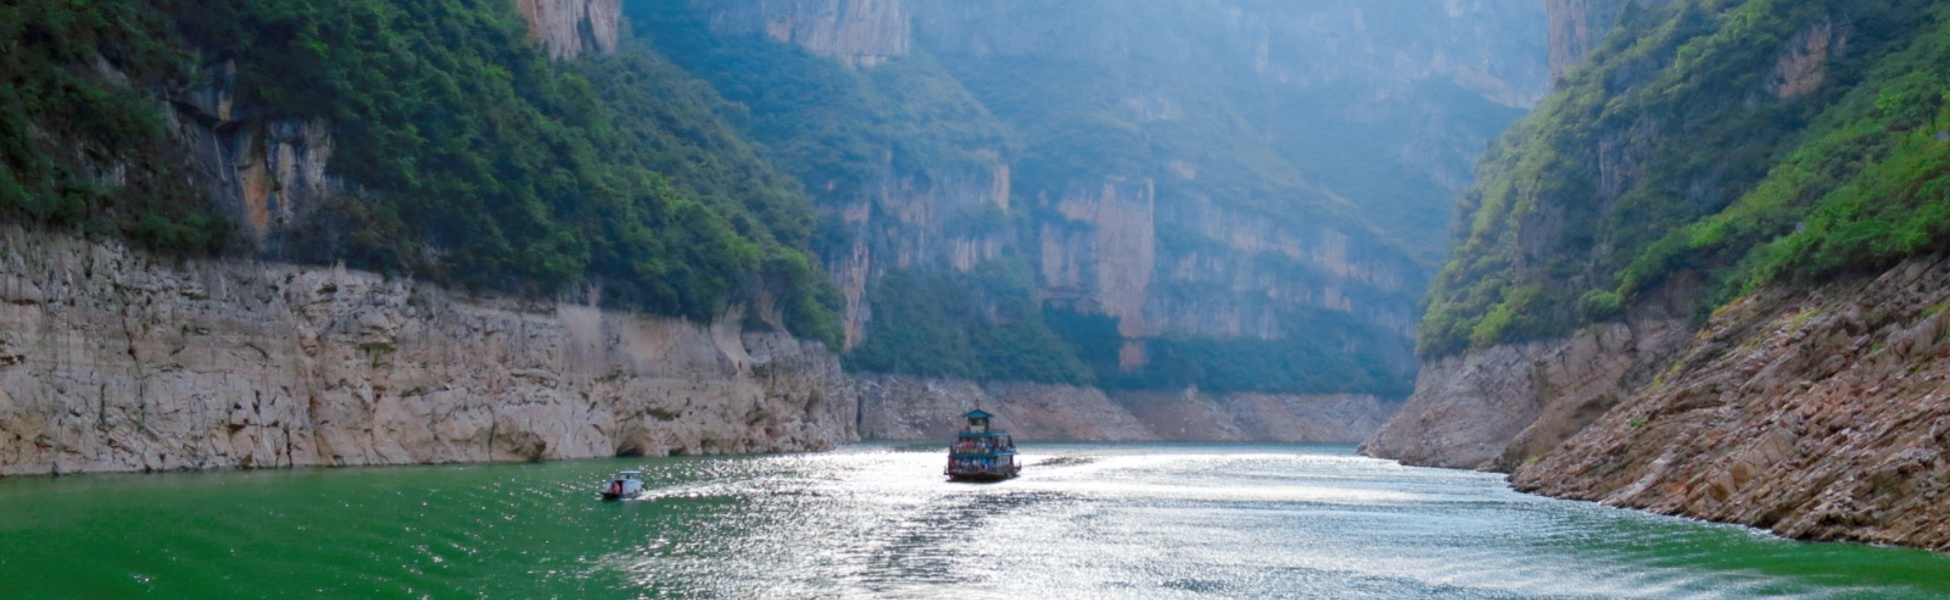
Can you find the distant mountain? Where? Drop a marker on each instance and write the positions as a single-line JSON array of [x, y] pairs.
[[1228, 194], [1233, 195]]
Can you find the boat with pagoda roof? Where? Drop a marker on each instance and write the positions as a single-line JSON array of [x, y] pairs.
[[981, 452]]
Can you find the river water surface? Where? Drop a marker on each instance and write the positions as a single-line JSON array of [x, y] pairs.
[[876, 520]]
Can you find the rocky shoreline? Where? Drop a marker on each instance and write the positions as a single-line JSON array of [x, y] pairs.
[[114, 360], [899, 407], [1819, 415]]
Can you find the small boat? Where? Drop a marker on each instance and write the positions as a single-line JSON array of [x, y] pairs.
[[981, 453], [627, 484]]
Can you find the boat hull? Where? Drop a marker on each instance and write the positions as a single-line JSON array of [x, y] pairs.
[[980, 477]]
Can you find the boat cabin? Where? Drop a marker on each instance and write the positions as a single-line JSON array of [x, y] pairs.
[[982, 453], [628, 483]]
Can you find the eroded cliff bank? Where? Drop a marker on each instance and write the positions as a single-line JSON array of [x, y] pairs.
[[1493, 409], [899, 407], [1820, 415], [112, 360]]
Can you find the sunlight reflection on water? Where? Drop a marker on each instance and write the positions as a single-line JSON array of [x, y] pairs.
[[878, 520], [1185, 521]]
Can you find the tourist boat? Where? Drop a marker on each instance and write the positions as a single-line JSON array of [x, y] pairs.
[[627, 484], [981, 453]]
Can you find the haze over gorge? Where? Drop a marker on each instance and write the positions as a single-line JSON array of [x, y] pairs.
[[1198, 221], [1688, 256]]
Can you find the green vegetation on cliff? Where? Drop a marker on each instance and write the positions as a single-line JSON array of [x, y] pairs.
[[82, 146], [467, 156], [900, 157], [1708, 148]]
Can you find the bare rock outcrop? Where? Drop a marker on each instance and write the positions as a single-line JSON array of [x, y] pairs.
[[1496, 408], [1577, 27], [113, 360], [899, 407], [571, 28], [862, 33], [1820, 415]]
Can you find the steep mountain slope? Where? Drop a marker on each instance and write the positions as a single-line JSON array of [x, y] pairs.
[[431, 139], [1736, 168], [621, 266], [1128, 197]]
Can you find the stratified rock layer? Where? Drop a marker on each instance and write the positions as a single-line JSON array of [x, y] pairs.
[[570, 28], [899, 407], [1822, 415], [111, 360], [1496, 408]]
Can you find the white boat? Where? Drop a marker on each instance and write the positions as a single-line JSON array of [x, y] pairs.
[[627, 484]]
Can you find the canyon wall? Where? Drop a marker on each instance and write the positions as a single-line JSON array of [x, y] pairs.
[[1731, 316], [1497, 408], [112, 360], [1578, 26], [1203, 223], [571, 28], [900, 407], [1820, 415], [861, 33]]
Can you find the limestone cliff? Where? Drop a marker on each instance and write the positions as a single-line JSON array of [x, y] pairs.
[[571, 28], [112, 360], [862, 33], [899, 407], [1208, 176], [1497, 408], [266, 172], [1578, 26], [1728, 315], [1820, 415]]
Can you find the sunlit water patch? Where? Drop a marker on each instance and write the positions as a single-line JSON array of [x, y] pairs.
[[877, 520]]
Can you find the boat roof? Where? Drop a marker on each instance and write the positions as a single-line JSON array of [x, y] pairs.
[[985, 434], [978, 414]]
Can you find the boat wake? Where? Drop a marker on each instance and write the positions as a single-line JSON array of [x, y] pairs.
[[1065, 461]]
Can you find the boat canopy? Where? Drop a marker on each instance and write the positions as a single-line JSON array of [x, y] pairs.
[[978, 421]]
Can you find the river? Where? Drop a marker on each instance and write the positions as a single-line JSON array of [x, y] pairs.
[[876, 520]]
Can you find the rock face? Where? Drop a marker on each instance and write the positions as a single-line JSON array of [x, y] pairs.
[[898, 407], [1494, 409], [1820, 415], [266, 172], [862, 33], [1142, 239], [1578, 26], [113, 361], [570, 28]]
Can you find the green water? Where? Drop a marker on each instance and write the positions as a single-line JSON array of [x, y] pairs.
[[1109, 521]]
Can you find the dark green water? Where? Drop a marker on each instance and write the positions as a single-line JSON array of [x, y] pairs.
[[1109, 521]]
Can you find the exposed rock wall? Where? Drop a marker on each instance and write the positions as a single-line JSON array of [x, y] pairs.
[[1101, 257], [266, 172], [918, 221], [111, 360], [1578, 26], [570, 28], [1496, 408], [1250, 417], [862, 33], [900, 407], [1821, 415]]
